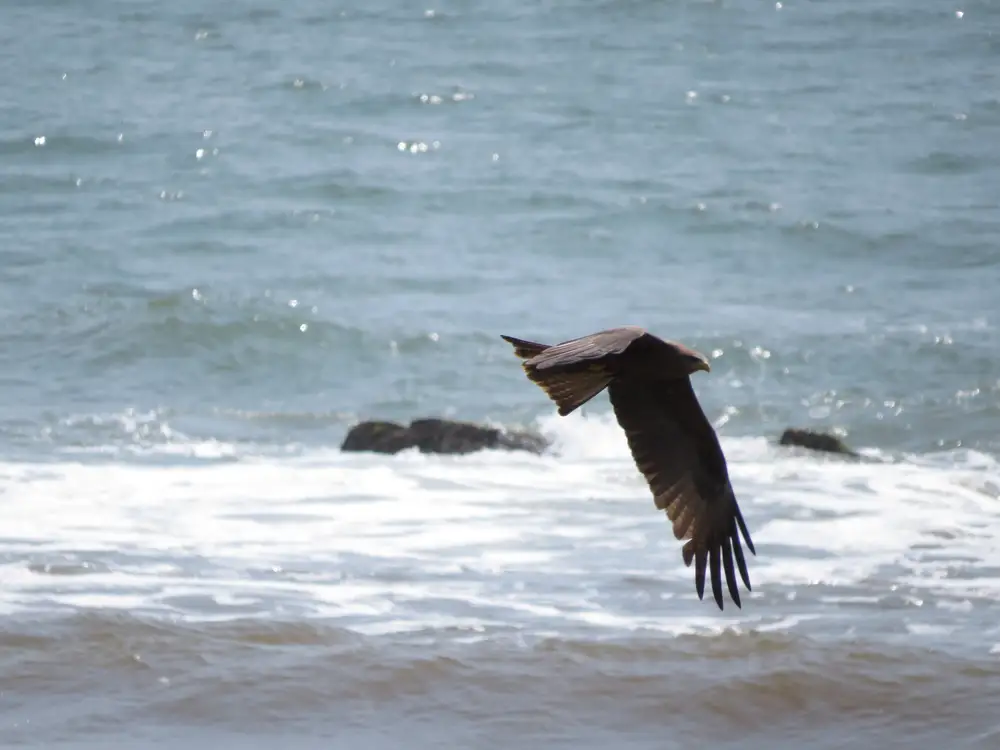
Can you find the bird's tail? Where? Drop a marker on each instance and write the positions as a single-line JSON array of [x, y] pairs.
[[569, 386]]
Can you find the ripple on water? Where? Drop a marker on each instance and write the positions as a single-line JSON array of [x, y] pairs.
[[250, 673]]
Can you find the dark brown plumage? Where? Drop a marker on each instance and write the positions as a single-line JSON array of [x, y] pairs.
[[673, 443]]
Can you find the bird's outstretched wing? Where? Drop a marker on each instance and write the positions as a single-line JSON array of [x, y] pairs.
[[596, 346], [573, 372], [677, 451]]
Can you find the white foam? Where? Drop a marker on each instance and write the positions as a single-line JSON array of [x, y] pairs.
[[507, 536]]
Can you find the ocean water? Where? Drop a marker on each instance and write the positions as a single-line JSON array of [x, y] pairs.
[[230, 231]]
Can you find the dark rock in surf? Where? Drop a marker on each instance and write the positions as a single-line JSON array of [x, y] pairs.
[[447, 436], [377, 436], [431, 435], [450, 437], [816, 441]]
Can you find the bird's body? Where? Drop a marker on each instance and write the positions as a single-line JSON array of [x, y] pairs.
[[673, 443]]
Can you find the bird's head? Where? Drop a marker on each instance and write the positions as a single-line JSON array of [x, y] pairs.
[[688, 360]]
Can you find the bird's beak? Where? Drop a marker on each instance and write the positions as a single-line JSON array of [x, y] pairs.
[[703, 365]]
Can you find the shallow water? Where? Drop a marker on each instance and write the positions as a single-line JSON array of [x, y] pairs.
[[230, 233]]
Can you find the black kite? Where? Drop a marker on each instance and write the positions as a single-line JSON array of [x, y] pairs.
[[673, 443]]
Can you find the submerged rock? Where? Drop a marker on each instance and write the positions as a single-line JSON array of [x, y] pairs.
[[431, 435], [817, 441]]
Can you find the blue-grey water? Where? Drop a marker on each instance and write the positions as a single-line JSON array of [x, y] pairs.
[[230, 231]]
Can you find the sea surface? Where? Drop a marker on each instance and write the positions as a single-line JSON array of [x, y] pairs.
[[229, 231]]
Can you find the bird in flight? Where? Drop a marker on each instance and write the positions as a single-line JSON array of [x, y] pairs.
[[673, 443]]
